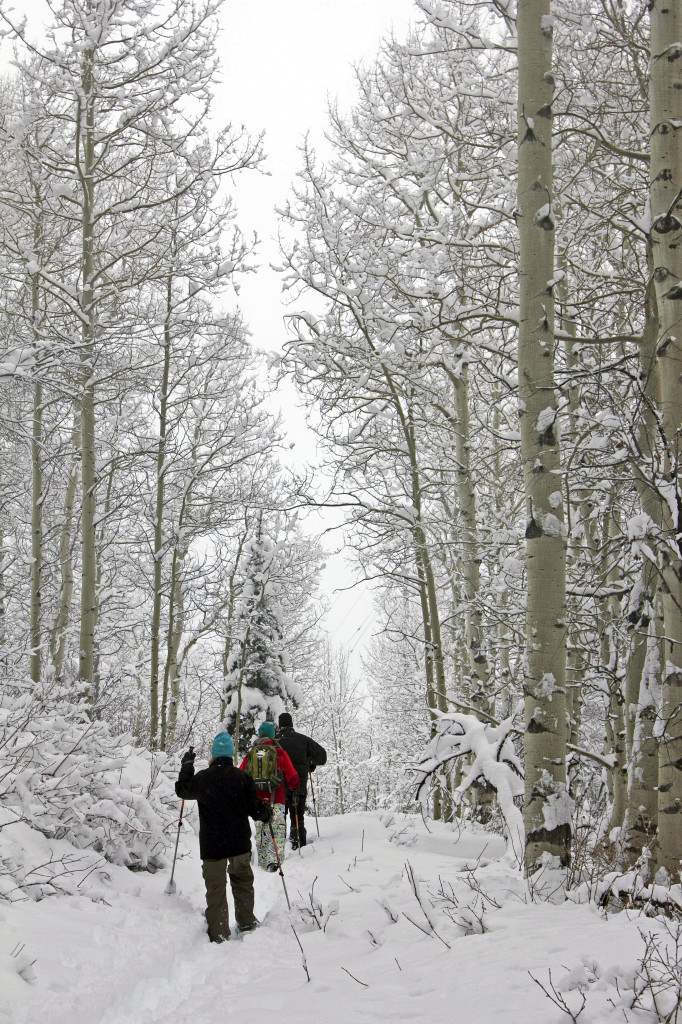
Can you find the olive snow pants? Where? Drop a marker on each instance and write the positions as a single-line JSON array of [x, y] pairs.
[[215, 874]]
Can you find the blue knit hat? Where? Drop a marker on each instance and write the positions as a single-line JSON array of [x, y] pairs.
[[223, 745], [267, 729]]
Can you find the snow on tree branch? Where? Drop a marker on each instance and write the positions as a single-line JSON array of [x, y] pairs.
[[493, 760], [73, 795]]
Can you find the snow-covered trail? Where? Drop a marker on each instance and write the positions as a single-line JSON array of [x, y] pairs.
[[143, 956]]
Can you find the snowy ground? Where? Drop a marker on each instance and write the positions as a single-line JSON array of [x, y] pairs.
[[139, 955]]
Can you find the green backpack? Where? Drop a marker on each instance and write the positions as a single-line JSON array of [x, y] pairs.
[[261, 765]]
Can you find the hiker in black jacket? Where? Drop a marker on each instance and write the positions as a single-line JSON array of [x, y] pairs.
[[227, 799], [306, 755]]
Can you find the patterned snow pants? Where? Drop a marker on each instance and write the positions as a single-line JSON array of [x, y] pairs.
[[264, 844]]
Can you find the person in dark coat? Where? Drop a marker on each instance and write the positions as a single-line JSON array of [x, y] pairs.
[[227, 799], [306, 755]]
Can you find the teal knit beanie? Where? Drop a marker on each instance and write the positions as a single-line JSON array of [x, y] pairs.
[[267, 729], [223, 745]]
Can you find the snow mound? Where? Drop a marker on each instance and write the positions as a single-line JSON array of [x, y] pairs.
[[73, 795]]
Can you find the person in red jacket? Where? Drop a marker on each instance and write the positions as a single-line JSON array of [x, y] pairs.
[[265, 847]]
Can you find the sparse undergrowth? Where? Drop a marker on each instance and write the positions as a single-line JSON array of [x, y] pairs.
[[650, 991]]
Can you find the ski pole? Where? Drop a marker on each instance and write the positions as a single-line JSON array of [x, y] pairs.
[[279, 863], [171, 887], [312, 789]]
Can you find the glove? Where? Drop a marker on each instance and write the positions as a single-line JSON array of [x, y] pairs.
[[311, 766], [266, 814], [188, 757]]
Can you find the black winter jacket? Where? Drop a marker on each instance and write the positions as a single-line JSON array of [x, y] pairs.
[[305, 754], [227, 798]]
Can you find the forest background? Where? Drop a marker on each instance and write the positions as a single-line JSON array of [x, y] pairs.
[[483, 279]]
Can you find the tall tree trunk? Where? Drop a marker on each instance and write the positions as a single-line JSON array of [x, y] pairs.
[[547, 806], [176, 626], [645, 614], [466, 500], [643, 689], [88, 608], [574, 673], [59, 635], [431, 698], [666, 215], [478, 666], [173, 670], [505, 696], [158, 539], [100, 542], [36, 534], [608, 613], [433, 645], [35, 628]]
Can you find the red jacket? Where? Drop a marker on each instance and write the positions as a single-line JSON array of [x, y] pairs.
[[284, 767]]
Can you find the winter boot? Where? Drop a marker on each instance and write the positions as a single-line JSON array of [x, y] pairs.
[[244, 928]]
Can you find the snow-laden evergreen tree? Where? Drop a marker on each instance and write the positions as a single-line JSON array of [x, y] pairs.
[[257, 684]]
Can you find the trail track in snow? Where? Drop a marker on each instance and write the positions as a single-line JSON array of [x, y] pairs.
[[143, 956]]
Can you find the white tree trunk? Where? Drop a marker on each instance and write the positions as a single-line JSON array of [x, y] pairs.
[[547, 806], [35, 628], [176, 628], [641, 817], [643, 677], [466, 500], [574, 669], [666, 213], [36, 534], [59, 637], [88, 610], [159, 509], [172, 673]]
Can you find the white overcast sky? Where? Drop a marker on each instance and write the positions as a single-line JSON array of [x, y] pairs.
[[281, 61]]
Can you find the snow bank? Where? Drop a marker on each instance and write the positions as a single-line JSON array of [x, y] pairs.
[[73, 796]]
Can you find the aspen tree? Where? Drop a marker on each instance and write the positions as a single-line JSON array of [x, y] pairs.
[[117, 74], [666, 228], [60, 627], [644, 613], [547, 805]]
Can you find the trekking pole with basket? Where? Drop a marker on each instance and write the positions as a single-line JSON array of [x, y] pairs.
[[171, 887], [312, 790]]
